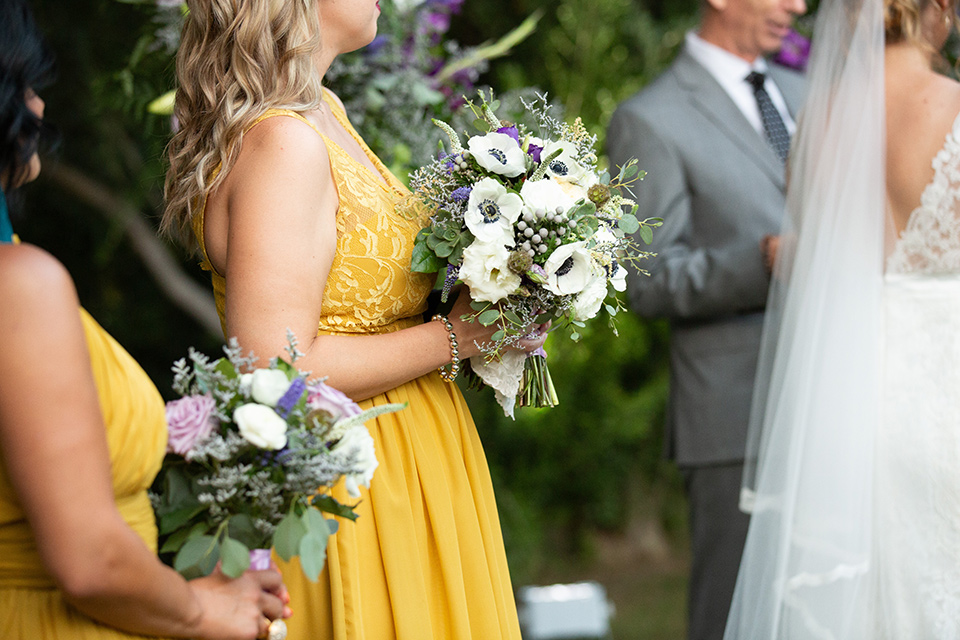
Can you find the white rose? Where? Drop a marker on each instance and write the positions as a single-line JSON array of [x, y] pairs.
[[246, 381], [484, 270], [569, 269], [544, 196], [588, 302], [499, 153], [565, 165], [357, 445], [492, 211], [267, 386], [261, 426]]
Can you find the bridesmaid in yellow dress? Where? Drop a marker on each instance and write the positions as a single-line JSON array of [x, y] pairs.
[[295, 218], [82, 435]]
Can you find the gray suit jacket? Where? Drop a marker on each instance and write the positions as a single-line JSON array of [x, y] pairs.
[[719, 188]]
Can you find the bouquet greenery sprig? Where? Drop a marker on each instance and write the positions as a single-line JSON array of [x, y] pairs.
[[252, 455], [524, 218]]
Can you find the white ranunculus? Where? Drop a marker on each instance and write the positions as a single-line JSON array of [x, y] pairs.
[[261, 426], [499, 153], [588, 302], [484, 270], [267, 386], [545, 196], [565, 165], [569, 269], [357, 445], [492, 211]]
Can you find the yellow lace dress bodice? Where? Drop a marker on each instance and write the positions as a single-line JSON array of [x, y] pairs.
[[31, 607], [425, 559]]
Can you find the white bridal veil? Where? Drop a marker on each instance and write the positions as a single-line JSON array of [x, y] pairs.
[[808, 481]]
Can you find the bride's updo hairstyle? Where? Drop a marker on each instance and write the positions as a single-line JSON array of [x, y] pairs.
[[902, 23], [237, 59]]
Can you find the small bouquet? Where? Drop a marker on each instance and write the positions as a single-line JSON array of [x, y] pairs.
[[523, 217], [251, 459]]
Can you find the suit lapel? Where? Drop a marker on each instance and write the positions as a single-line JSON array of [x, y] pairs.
[[708, 97]]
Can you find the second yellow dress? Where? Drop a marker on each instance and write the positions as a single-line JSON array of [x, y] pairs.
[[425, 560]]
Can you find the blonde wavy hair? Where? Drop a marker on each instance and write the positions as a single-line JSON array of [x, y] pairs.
[[237, 59], [901, 20]]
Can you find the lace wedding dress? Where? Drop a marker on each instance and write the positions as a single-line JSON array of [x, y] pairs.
[[917, 470]]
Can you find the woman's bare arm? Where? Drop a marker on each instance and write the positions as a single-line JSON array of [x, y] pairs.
[[54, 447]]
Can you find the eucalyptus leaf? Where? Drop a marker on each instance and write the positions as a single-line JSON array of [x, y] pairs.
[[235, 557], [241, 527], [226, 368], [315, 523], [177, 539], [170, 522], [332, 526], [498, 335], [313, 554], [200, 554], [646, 234], [477, 305], [286, 539], [629, 224], [488, 317], [481, 125]]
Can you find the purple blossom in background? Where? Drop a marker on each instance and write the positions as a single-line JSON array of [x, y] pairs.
[[291, 396], [323, 398], [795, 51], [189, 420], [376, 46], [510, 131], [453, 6]]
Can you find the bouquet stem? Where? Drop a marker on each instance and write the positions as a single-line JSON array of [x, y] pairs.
[[536, 387]]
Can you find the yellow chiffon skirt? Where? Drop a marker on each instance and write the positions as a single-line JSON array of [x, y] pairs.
[[425, 559], [42, 614]]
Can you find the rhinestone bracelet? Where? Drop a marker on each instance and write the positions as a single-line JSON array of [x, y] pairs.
[[450, 375]]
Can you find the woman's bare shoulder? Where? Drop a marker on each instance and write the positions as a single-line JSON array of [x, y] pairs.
[[27, 270]]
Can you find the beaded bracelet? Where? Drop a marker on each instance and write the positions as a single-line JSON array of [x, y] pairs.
[[450, 375]]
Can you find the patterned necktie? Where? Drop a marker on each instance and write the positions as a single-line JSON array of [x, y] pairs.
[[773, 126]]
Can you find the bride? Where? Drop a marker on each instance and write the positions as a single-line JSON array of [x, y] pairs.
[[853, 473]]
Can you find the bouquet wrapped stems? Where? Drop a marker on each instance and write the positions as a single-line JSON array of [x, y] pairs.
[[536, 386]]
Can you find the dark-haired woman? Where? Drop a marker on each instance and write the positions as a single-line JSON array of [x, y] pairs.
[[82, 434]]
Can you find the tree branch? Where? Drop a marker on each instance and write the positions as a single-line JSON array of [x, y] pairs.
[[182, 290]]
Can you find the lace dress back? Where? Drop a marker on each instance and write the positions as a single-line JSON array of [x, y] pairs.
[[917, 495]]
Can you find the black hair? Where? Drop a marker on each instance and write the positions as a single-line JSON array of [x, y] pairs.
[[26, 64]]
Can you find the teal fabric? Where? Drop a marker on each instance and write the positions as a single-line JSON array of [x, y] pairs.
[[6, 229]]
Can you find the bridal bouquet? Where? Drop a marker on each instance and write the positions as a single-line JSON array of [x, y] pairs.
[[522, 216], [251, 459]]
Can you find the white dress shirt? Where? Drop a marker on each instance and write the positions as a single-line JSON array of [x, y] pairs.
[[731, 72]]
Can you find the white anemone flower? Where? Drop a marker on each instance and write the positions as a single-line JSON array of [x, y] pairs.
[[545, 196], [569, 269], [619, 278], [484, 270], [588, 302], [565, 165], [499, 153], [492, 211]]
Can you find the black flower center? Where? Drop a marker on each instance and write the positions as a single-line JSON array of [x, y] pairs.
[[500, 156], [559, 167], [565, 267], [490, 211]]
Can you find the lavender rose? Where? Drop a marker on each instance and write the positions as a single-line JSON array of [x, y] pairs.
[[189, 420], [325, 398]]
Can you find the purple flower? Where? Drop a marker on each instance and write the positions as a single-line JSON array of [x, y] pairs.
[[453, 272], [291, 396], [321, 397], [794, 52], [510, 131], [461, 194], [534, 150], [189, 421]]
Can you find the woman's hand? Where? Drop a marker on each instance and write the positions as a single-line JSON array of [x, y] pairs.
[[241, 608], [472, 334]]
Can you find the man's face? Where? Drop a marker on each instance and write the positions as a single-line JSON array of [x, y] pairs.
[[758, 27]]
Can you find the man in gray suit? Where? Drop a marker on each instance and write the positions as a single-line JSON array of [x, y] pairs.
[[712, 133]]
